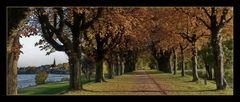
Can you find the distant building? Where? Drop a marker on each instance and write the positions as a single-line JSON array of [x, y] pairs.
[[54, 64], [62, 68]]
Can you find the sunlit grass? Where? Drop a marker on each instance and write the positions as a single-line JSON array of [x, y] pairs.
[[128, 85], [45, 89], [178, 85], [171, 84], [54, 88], [119, 85]]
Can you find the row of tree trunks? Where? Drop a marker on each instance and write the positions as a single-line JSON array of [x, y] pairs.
[[115, 65], [162, 57]]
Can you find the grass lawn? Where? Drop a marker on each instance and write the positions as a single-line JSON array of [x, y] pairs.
[[178, 85], [172, 85], [45, 89], [127, 83], [119, 85]]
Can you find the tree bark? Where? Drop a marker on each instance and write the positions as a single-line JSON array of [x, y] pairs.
[[127, 62], [12, 74], [117, 68], [121, 63], [218, 57], [99, 59], [15, 16], [209, 71], [182, 63], [75, 73], [13, 56], [99, 69], [126, 67], [175, 62], [194, 63], [216, 24], [110, 70]]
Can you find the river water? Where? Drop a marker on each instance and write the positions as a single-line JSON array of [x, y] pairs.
[[25, 80]]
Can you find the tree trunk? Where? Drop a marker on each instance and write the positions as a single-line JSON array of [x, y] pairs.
[[169, 69], [209, 72], [159, 65], [194, 63], [121, 67], [13, 22], [218, 56], [127, 62], [126, 67], [175, 62], [117, 68], [99, 69], [12, 74], [110, 71], [13, 57], [133, 66], [75, 73], [118, 64], [182, 63]]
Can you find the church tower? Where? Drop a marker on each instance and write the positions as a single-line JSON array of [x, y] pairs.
[[54, 63]]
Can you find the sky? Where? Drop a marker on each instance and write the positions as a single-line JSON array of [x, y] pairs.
[[32, 56]]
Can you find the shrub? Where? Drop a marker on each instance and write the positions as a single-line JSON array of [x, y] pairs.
[[229, 75], [65, 79], [41, 77]]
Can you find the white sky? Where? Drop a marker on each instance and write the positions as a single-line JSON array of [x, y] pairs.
[[34, 57]]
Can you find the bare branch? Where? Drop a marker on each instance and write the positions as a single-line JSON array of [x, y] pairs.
[[223, 17], [184, 47], [200, 36], [89, 23], [229, 19], [61, 22], [204, 22], [213, 11], [223, 20], [185, 36], [68, 24], [205, 10], [47, 30]]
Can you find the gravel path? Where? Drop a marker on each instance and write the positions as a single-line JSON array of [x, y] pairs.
[[146, 84]]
